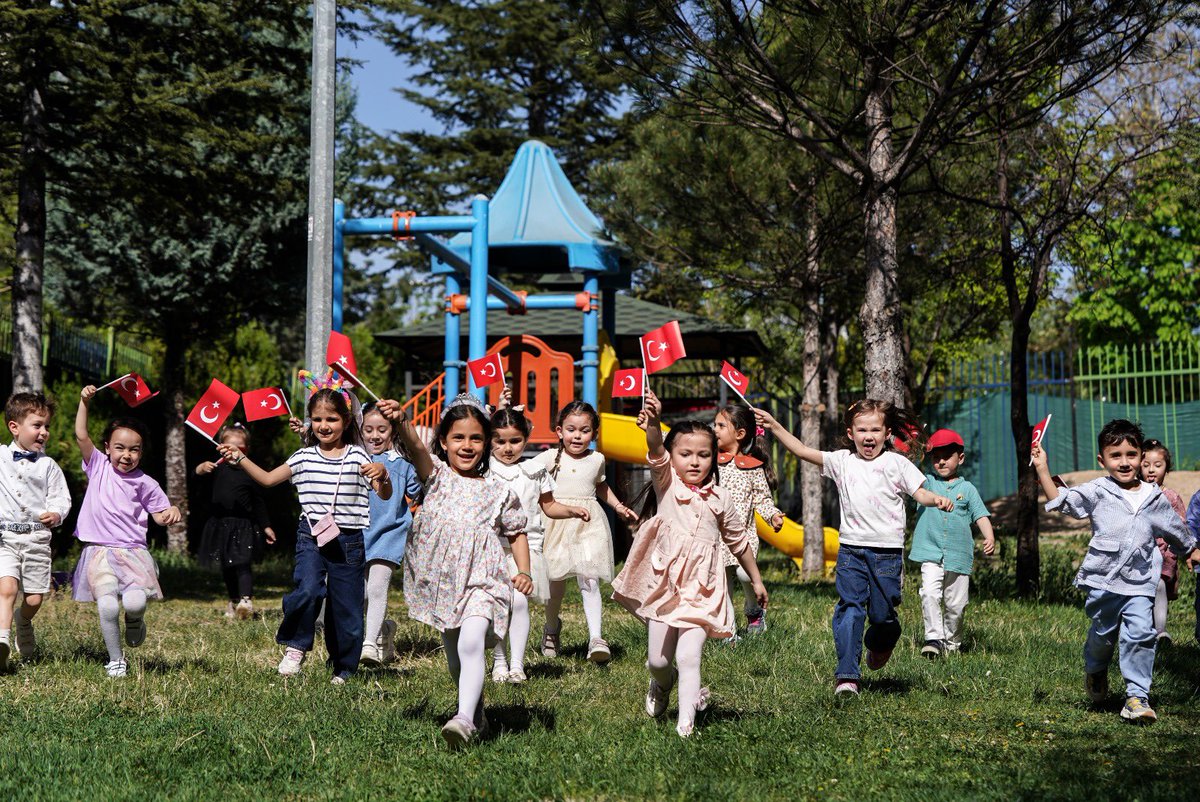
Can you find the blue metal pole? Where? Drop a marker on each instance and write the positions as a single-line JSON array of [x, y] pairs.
[[477, 331], [451, 365], [385, 225], [339, 256], [591, 344], [549, 301]]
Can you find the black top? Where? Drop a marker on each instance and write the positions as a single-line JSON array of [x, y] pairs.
[[236, 495]]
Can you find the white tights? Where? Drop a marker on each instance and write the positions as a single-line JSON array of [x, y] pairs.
[[379, 578], [465, 648], [736, 573], [589, 589], [518, 634], [110, 624], [683, 646], [1160, 607]]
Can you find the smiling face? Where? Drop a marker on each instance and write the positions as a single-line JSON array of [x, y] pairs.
[[946, 460], [31, 433], [327, 425], [508, 443], [1122, 462], [728, 437], [869, 433], [1154, 466], [692, 457], [124, 449], [377, 432], [464, 445], [576, 433]]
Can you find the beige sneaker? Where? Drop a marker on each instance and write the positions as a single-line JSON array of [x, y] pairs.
[[245, 609], [370, 654], [289, 666], [598, 651]]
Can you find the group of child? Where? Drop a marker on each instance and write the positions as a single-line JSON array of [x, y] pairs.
[[493, 530]]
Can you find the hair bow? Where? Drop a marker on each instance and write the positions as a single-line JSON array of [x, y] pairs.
[[517, 407], [759, 431]]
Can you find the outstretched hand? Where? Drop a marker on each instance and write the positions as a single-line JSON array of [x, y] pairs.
[[1039, 456], [651, 412], [87, 393], [764, 419], [391, 409]]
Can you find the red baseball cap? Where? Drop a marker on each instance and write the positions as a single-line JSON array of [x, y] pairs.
[[944, 437]]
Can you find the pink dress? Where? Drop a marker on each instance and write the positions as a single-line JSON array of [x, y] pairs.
[[454, 565], [675, 572], [1170, 566]]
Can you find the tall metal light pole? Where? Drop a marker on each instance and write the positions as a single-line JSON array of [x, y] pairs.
[[320, 185]]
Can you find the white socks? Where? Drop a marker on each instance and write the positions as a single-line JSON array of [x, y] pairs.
[[379, 578]]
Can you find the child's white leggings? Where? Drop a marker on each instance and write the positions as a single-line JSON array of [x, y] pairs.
[[379, 578], [465, 648], [518, 634], [683, 646], [589, 589], [110, 621], [1160, 607], [736, 574]]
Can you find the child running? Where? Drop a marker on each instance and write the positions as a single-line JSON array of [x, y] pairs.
[[745, 473], [672, 578], [391, 519], [1156, 464], [115, 566], [230, 541], [942, 544], [535, 489], [457, 578], [33, 500], [333, 476], [1123, 564], [583, 547], [871, 480]]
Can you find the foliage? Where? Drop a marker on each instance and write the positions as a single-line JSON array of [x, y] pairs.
[[203, 710]]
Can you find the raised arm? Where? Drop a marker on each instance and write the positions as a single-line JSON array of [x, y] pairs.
[[86, 446], [1042, 464], [927, 498], [649, 420], [787, 439], [234, 456], [558, 510], [418, 453]]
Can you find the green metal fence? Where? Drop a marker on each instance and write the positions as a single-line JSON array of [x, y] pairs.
[[95, 355]]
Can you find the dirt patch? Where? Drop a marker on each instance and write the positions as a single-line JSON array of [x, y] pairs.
[[1004, 509]]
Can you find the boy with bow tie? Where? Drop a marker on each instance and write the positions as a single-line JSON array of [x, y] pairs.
[[33, 499]]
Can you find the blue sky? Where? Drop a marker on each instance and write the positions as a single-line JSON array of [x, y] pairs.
[[379, 107]]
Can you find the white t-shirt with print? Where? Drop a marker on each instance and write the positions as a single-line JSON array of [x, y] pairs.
[[870, 493]]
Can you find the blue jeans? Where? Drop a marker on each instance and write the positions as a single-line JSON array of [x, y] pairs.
[[868, 584], [1128, 620], [333, 572]]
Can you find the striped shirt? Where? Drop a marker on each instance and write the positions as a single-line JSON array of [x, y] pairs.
[[316, 477]]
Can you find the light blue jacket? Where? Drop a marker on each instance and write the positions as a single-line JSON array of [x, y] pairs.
[[1122, 556]]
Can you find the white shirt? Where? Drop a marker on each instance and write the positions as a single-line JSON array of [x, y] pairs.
[[30, 488], [870, 492], [529, 480], [1137, 498]]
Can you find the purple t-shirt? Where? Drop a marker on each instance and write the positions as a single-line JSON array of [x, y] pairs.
[[117, 505]]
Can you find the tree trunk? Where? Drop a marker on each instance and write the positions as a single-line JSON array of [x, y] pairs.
[[884, 367], [30, 241], [810, 435], [175, 452], [831, 420]]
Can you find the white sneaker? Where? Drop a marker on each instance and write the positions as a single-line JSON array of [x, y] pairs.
[[245, 609], [337, 680], [135, 632], [658, 697], [387, 641], [229, 611], [117, 668], [598, 651], [516, 676], [290, 664], [26, 641], [370, 654], [499, 672]]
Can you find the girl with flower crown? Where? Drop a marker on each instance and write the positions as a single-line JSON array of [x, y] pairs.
[[333, 475]]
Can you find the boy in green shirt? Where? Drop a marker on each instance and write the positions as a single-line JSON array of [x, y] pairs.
[[942, 543]]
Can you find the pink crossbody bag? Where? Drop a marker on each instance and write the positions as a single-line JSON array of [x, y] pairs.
[[326, 529]]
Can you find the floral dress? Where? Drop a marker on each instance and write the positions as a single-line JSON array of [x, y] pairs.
[[454, 565], [745, 481]]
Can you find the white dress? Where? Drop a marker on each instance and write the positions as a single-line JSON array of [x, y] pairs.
[[575, 547], [529, 481]]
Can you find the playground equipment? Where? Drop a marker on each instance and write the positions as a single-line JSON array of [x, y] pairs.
[[536, 224]]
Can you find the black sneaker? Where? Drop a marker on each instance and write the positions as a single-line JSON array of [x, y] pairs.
[[1097, 686], [932, 649]]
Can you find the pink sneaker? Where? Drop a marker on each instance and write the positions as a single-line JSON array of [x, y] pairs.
[[877, 660], [846, 687]]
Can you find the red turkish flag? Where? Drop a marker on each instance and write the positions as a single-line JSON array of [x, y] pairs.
[[486, 370], [739, 381], [339, 355], [662, 347], [628, 383], [268, 402], [1039, 431], [212, 409], [134, 390]]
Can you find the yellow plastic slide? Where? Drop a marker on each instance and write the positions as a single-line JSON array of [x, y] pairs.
[[622, 440]]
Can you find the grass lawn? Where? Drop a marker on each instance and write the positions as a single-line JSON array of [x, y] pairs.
[[202, 714]]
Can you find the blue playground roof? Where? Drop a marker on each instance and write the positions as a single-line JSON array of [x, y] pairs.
[[538, 223]]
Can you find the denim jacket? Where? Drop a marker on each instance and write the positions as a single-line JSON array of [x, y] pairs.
[[1122, 556]]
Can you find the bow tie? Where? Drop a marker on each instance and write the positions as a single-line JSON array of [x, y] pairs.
[[29, 455]]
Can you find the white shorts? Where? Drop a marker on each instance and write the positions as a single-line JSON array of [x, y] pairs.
[[26, 558]]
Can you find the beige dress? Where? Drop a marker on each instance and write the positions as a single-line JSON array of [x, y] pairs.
[[743, 478], [529, 481], [575, 547], [675, 572]]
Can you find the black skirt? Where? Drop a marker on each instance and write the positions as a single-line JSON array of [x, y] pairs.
[[229, 542]]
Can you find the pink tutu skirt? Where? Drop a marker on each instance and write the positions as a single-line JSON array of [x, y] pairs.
[[111, 570]]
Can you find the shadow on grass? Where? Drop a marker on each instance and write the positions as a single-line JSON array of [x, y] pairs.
[[545, 670], [160, 665], [417, 646], [517, 719], [579, 650], [887, 686]]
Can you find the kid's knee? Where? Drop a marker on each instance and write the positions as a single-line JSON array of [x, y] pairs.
[[31, 603], [658, 663], [8, 588]]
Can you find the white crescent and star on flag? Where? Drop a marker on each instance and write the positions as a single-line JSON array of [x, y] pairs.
[[649, 350], [628, 382], [215, 405]]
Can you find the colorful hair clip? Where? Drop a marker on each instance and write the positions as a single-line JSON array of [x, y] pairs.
[[329, 381]]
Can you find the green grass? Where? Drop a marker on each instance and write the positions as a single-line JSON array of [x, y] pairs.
[[203, 715]]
